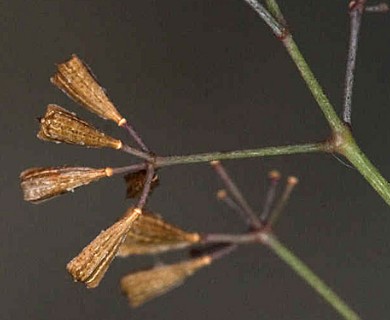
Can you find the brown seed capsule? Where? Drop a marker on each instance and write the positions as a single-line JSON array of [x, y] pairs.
[[150, 234], [60, 125], [39, 184], [135, 182], [92, 263], [77, 81], [143, 286]]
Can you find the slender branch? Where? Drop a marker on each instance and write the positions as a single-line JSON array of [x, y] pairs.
[[224, 251], [230, 238], [223, 196], [241, 154], [236, 193], [147, 186], [274, 178], [312, 83], [276, 27], [309, 277], [355, 13], [315, 88], [274, 9], [136, 137], [135, 152], [129, 169], [279, 207]]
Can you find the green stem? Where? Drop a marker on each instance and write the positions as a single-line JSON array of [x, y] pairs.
[[307, 275], [296, 55], [277, 28], [251, 153], [353, 153], [313, 85], [274, 9]]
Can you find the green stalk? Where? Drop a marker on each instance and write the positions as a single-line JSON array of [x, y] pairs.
[[274, 9], [240, 154], [352, 152], [315, 88], [309, 277]]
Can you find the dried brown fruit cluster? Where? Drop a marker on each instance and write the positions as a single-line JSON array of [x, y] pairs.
[[137, 232]]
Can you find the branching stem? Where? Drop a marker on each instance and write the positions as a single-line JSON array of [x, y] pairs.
[[240, 154], [347, 146]]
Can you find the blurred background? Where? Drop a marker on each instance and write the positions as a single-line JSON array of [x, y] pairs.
[[195, 76]]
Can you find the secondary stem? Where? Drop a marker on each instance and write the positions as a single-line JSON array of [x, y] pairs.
[[240, 154], [309, 277], [356, 13], [314, 87]]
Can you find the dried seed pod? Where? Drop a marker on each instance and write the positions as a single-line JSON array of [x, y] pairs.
[[143, 286], [39, 184], [150, 234], [92, 263], [135, 182], [60, 125], [77, 81]]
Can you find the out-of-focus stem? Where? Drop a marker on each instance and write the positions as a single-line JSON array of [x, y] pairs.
[[309, 277]]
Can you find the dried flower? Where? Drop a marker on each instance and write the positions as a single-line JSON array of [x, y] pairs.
[[77, 81], [92, 263], [150, 234], [60, 125], [39, 184], [143, 286], [135, 182]]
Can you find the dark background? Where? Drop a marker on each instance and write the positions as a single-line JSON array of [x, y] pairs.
[[195, 76]]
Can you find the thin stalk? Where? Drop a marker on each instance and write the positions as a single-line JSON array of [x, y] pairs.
[[274, 178], [309, 277], [236, 193], [147, 186], [223, 196], [281, 204], [240, 154], [276, 27], [355, 13], [128, 169], [222, 252], [230, 238], [313, 85], [294, 52], [135, 152], [274, 9], [136, 137]]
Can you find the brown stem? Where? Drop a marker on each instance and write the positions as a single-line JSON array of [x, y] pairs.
[[147, 185], [136, 137], [236, 193]]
